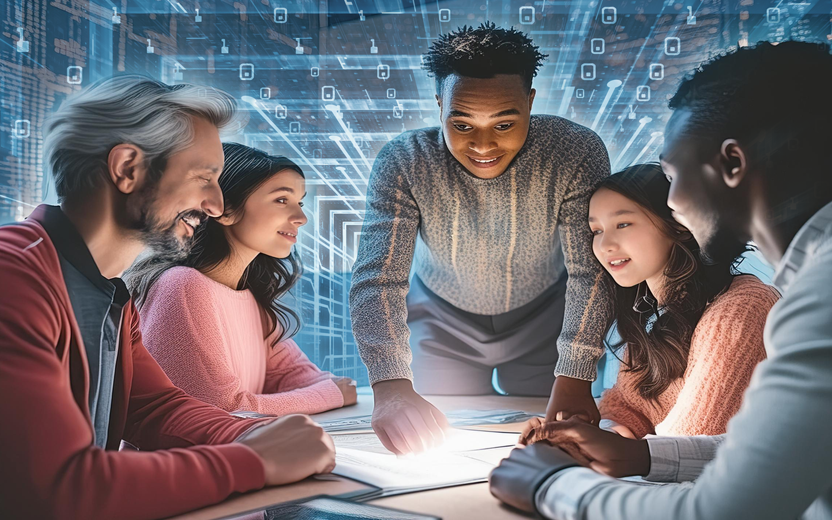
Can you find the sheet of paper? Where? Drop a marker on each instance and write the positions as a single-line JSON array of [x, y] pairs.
[[457, 418], [466, 456]]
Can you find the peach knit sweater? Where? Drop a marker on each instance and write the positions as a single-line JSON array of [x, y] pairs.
[[725, 348], [209, 340]]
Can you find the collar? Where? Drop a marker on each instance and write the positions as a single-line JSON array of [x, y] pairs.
[[802, 246], [71, 246]]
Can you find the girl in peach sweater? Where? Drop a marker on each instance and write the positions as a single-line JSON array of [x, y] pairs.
[[691, 334], [213, 319]]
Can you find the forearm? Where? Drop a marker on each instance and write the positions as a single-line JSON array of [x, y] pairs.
[[316, 398]]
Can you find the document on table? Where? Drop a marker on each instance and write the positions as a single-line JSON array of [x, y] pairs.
[[466, 457], [457, 418]]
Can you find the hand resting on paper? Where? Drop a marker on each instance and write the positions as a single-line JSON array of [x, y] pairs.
[[604, 451], [404, 421]]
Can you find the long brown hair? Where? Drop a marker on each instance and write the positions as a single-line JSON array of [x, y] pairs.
[[658, 354]]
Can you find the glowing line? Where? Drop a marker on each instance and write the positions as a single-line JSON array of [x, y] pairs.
[[337, 140], [611, 86], [253, 102], [641, 124], [567, 97], [654, 136], [339, 116]]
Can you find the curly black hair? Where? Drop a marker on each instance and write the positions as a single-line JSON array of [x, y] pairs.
[[774, 98], [483, 52]]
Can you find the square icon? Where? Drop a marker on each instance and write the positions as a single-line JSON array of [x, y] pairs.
[[265, 93], [773, 15], [609, 15], [22, 128], [588, 71], [328, 93], [643, 93], [445, 15], [391, 93], [294, 127], [280, 112], [74, 75], [672, 46], [597, 46], [527, 15], [656, 71], [247, 71], [281, 15], [398, 111], [315, 72], [579, 93], [383, 72]]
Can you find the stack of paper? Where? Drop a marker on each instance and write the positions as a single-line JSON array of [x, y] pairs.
[[466, 457]]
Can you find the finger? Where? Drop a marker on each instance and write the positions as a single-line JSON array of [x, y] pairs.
[[576, 453], [581, 417], [562, 415], [440, 418], [423, 431], [410, 435], [398, 437], [385, 440], [437, 423], [529, 430]]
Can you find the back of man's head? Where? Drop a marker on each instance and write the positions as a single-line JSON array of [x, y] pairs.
[[155, 117], [483, 52], [774, 99]]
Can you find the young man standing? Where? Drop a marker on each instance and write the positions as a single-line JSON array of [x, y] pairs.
[[742, 167], [490, 211], [135, 163]]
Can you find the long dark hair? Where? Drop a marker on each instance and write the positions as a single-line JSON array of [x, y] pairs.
[[659, 354], [268, 278]]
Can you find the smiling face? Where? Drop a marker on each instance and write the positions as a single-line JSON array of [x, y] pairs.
[[168, 211], [269, 220], [485, 122], [626, 239], [715, 213]]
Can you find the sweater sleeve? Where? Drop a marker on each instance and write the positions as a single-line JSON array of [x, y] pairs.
[[183, 332], [725, 349], [51, 468], [617, 406], [380, 274], [588, 298]]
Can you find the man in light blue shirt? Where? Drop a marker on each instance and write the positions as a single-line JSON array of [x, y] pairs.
[[744, 166]]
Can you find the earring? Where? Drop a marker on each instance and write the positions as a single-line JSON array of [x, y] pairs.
[[644, 302]]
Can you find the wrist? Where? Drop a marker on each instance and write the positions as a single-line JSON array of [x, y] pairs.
[[383, 389], [570, 383], [641, 464]]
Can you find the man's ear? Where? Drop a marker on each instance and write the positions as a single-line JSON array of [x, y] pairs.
[[531, 98], [126, 167], [733, 163]]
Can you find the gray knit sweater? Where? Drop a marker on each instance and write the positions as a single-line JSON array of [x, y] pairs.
[[486, 246]]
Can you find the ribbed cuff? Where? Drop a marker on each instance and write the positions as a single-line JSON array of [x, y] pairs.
[[391, 369], [247, 470], [330, 393], [576, 364]]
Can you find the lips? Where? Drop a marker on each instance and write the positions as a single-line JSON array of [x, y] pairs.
[[484, 162], [288, 235], [618, 263]]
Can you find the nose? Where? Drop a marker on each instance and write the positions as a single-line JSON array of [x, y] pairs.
[[299, 219], [212, 204], [608, 243], [482, 141]]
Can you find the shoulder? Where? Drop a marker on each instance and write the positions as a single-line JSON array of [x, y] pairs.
[[411, 145], [181, 283], [746, 296], [27, 244], [569, 135]]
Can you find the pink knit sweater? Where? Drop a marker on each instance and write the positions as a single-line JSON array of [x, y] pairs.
[[726, 346], [209, 340]]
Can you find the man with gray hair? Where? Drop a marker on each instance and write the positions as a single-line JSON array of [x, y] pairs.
[[135, 163]]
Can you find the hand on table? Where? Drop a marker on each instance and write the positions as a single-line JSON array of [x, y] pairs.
[[571, 397], [292, 448], [347, 388], [604, 451], [404, 421], [517, 478]]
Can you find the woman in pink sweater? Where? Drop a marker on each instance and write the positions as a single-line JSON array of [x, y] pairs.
[[213, 319], [691, 333]]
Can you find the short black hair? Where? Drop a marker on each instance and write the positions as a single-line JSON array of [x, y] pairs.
[[775, 99], [483, 52]]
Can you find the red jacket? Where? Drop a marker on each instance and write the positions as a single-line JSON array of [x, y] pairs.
[[49, 466]]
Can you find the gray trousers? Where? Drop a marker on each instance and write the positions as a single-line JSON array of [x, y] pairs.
[[455, 352]]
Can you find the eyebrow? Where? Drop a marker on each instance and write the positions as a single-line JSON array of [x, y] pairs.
[[617, 214], [284, 188], [509, 112]]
